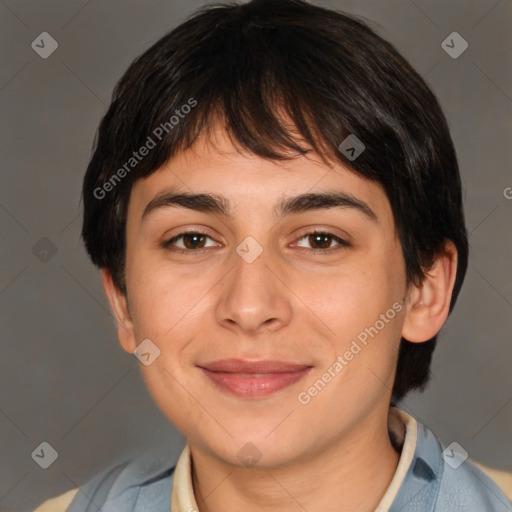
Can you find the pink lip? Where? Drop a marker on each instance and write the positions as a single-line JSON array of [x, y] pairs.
[[238, 376]]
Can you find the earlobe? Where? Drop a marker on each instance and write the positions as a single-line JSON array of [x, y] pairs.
[[427, 305], [119, 306]]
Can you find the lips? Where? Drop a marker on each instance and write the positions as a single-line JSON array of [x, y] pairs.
[[242, 366], [253, 379]]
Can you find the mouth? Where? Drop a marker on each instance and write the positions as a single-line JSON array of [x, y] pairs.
[[253, 379]]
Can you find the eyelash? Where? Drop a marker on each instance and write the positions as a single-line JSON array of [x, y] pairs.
[[167, 244]]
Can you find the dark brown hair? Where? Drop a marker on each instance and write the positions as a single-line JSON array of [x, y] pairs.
[[258, 66]]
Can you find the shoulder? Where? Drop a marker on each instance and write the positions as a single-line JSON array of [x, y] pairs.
[[467, 487], [443, 479], [145, 480], [459, 485], [59, 503], [502, 478]]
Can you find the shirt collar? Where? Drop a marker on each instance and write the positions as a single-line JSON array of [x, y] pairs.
[[403, 428]]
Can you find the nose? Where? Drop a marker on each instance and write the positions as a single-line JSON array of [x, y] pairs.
[[254, 298]]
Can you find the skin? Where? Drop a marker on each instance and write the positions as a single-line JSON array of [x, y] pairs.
[[292, 304]]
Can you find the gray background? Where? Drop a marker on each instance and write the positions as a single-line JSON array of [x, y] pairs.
[[64, 378]]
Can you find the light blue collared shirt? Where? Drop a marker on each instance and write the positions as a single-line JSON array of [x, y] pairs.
[[432, 483]]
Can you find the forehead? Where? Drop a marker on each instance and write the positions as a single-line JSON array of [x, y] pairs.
[[213, 165]]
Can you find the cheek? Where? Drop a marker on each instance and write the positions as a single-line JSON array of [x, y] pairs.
[[361, 306], [348, 299], [167, 306], [157, 299]]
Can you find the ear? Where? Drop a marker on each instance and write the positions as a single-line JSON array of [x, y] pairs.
[[428, 304], [119, 305]]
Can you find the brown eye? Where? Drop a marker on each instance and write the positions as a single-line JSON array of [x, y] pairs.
[[320, 241], [194, 240], [187, 242]]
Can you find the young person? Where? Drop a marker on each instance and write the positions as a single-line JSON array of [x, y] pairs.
[[275, 205]]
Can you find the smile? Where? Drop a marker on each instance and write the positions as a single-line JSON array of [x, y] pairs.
[[255, 385]]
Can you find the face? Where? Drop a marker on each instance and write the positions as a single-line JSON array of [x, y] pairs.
[[315, 286]]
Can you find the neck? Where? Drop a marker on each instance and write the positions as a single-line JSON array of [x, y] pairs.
[[350, 474]]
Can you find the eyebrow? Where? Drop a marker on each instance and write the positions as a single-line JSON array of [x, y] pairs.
[[219, 205]]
